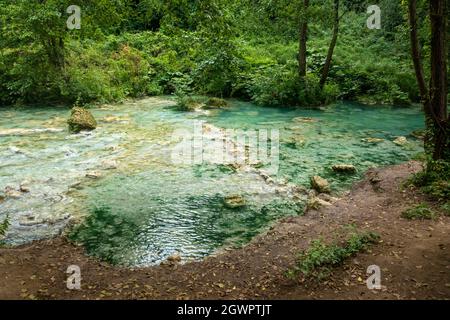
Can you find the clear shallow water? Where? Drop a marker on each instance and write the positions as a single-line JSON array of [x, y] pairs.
[[148, 207]]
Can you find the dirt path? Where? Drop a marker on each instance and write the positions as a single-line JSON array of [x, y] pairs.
[[414, 257]]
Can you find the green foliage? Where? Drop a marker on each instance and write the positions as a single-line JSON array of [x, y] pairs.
[[319, 258], [223, 48], [419, 212], [186, 103], [4, 228], [434, 180], [446, 208]]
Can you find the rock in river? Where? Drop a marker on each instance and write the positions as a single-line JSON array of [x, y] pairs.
[[401, 141], [10, 192], [234, 202], [372, 140], [320, 184], [81, 120], [344, 168]]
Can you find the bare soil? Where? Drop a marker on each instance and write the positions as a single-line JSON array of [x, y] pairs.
[[414, 257]]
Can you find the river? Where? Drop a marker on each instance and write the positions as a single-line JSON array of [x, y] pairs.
[[142, 204]]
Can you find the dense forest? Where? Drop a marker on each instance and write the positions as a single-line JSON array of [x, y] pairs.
[[247, 49]]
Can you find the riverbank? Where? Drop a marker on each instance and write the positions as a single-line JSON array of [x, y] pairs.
[[414, 257]]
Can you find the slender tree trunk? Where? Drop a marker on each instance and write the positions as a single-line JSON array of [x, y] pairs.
[[303, 35], [327, 66], [438, 84], [418, 67]]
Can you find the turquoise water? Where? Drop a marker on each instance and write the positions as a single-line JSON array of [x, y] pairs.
[[145, 206]]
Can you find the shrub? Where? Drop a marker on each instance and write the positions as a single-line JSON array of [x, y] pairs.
[[446, 208], [320, 257], [434, 180], [419, 212], [4, 228]]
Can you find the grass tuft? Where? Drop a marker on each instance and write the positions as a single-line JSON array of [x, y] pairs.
[[318, 260]]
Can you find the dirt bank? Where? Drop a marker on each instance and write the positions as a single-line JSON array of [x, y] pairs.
[[414, 257]]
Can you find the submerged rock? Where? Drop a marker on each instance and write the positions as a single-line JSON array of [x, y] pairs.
[[401, 141], [305, 120], [81, 120], [24, 187], [27, 132], [29, 221], [418, 134], [11, 192], [114, 119], [372, 140], [109, 165], [234, 202], [344, 168], [320, 184], [93, 175]]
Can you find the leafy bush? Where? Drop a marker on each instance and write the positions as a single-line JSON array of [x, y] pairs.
[[4, 228], [419, 212], [434, 180], [320, 257]]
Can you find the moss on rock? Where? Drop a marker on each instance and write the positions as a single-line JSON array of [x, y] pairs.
[[81, 120]]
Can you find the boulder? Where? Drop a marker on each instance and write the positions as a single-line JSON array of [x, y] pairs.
[[315, 203], [320, 184], [234, 202], [81, 120], [344, 168]]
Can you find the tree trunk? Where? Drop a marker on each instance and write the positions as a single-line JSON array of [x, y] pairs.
[[303, 34], [327, 66], [438, 89], [418, 67]]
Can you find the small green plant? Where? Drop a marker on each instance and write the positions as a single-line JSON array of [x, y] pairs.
[[4, 228], [434, 180], [446, 208], [419, 212], [320, 258]]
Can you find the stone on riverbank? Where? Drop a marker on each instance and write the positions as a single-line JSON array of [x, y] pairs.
[[320, 184]]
